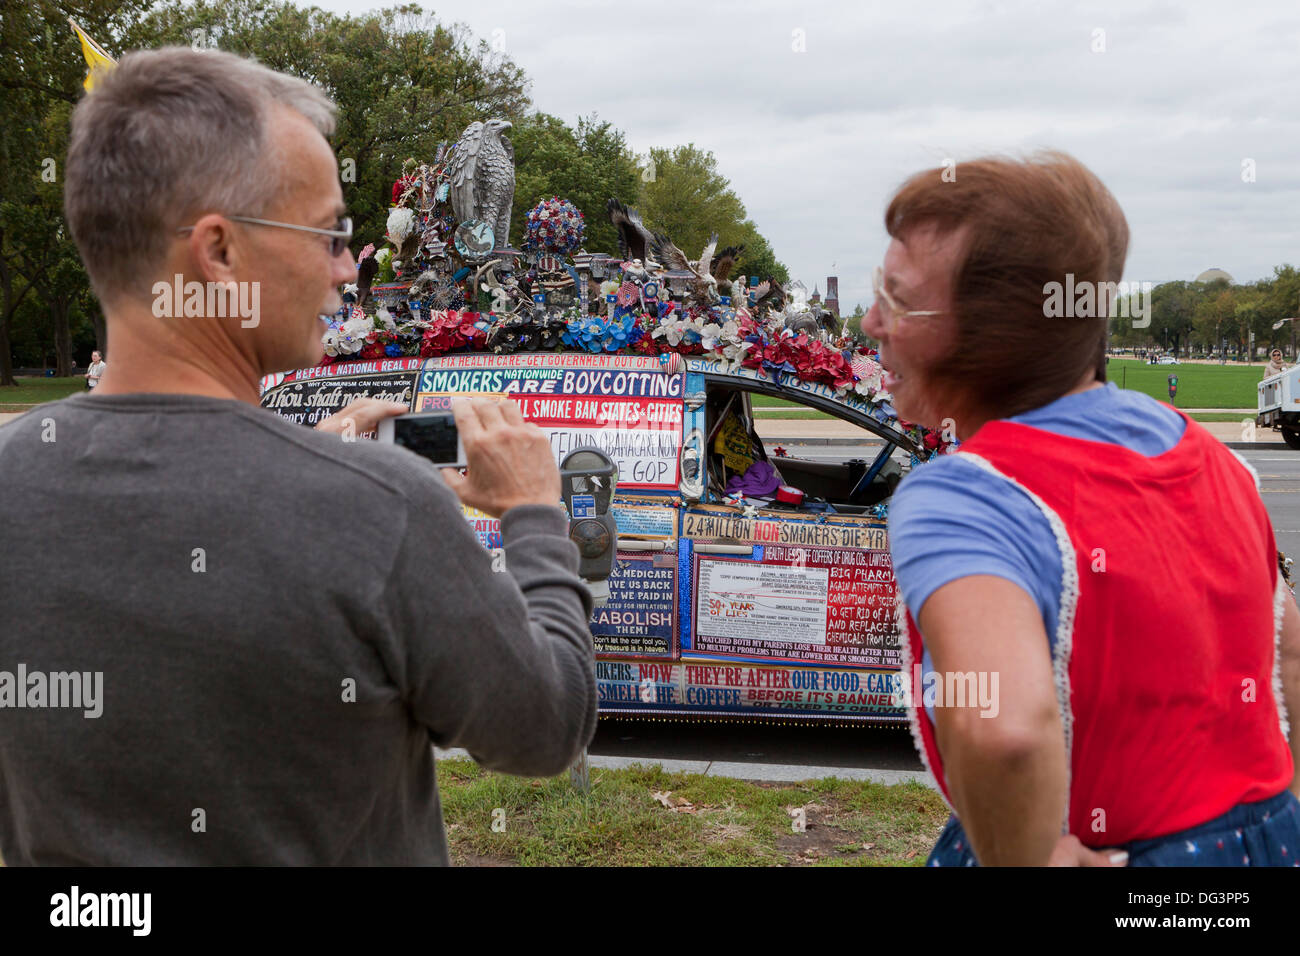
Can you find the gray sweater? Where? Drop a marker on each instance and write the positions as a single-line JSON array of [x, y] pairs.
[[282, 622]]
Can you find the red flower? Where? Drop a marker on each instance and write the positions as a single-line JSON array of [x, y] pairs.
[[399, 187]]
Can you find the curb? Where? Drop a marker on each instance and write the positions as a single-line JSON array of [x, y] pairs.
[[766, 772]]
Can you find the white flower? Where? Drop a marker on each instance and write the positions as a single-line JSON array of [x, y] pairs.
[[709, 334], [735, 352], [351, 335], [670, 329], [401, 223]]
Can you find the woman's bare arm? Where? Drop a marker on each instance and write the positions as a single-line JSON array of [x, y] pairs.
[[1005, 765]]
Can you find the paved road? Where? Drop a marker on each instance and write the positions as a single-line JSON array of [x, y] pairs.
[[1279, 481]]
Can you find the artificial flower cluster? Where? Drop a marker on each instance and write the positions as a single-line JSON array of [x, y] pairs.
[[538, 332], [731, 336], [453, 331], [592, 333], [554, 225]]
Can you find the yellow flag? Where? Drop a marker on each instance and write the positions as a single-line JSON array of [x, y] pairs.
[[96, 58]]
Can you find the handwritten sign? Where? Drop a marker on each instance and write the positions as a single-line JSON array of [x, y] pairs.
[[829, 606], [753, 600], [639, 618]]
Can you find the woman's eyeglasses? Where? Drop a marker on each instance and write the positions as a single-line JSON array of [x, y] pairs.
[[339, 236], [889, 309]]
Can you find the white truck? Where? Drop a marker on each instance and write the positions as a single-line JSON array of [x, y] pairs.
[[1279, 404]]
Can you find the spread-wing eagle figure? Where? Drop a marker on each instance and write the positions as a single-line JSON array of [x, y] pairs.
[[482, 175], [723, 262], [703, 286], [635, 241]]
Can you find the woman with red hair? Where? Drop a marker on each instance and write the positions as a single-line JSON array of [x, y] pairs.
[[1144, 658]]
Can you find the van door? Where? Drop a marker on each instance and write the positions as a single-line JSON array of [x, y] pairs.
[[787, 610]]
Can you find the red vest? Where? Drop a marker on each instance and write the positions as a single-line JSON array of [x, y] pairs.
[[1166, 657]]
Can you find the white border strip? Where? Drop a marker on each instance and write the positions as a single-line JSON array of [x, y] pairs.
[[914, 706], [1280, 594]]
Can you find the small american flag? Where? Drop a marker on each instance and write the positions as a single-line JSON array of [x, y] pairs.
[[864, 368]]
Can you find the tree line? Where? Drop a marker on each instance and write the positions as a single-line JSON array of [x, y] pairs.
[[403, 81], [1205, 317]]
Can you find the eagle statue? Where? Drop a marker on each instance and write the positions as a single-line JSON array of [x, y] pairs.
[[482, 175], [703, 287], [635, 241]]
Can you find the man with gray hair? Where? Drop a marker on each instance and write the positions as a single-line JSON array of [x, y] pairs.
[[284, 620]]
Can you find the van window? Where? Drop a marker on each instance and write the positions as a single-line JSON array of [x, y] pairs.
[[844, 467]]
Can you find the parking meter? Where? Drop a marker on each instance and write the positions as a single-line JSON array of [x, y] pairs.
[[587, 481], [1173, 386]]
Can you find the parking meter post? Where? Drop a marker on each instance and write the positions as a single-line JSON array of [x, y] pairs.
[[588, 478], [580, 773]]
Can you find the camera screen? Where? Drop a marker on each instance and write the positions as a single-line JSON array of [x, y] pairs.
[[432, 436]]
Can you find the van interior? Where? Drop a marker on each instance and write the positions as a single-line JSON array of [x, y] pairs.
[[841, 487]]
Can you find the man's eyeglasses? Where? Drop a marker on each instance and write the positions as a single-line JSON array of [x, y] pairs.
[[889, 310], [339, 236]]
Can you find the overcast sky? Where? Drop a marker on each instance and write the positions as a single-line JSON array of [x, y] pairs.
[[814, 142]]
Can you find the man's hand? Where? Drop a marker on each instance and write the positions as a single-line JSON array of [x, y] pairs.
[[508, 461], [1070, 852], [364, 415]]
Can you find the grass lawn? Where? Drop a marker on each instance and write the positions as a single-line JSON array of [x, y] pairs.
[[1199, 386], [707, 821], [34, 391]]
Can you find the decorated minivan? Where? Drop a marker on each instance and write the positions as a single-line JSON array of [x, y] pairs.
[[749, 583]]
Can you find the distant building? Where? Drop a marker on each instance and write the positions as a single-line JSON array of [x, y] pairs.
[[1214, 275], [833, 295], [816, 296]]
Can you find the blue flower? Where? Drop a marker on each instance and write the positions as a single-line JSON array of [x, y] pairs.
[[393, 351], [775, 369], [571, 333]]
